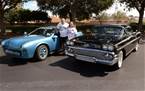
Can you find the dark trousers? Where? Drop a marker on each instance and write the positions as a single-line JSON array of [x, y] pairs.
[[63, 41]]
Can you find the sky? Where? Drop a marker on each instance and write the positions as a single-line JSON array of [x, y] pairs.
[[32, 5]]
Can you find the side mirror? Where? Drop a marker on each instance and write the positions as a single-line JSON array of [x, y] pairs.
[[54, 37]]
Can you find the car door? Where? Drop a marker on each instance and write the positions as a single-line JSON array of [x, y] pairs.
[[54, 42], [130, 44]]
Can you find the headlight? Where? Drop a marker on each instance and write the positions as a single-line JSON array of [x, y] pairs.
[[108, 47], [70, 43], [104, 47], [2, 43]]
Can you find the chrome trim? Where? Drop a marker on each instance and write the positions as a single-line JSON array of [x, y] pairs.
[[69, 54], [92, 59], [116, 45], [12, 52], [94, 50], [127, 44]]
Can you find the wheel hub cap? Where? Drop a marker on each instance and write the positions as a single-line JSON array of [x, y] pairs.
[[43, 52]]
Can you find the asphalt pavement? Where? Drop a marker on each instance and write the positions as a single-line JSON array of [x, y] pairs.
[[60, 73]]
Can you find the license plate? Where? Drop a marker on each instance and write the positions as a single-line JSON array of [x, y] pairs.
[[12, 52]]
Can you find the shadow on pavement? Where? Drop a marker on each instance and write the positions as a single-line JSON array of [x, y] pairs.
[[12, 61], [16, 61], [84, 68]]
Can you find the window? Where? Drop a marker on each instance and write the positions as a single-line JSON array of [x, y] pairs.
[[42, 32]]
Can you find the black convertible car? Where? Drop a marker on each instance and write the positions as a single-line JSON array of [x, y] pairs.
[[105, 44]]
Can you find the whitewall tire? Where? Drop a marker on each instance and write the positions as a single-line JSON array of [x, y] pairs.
[[120, 60]]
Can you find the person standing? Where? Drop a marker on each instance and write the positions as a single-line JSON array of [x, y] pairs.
[[62, 27], [72, 31]]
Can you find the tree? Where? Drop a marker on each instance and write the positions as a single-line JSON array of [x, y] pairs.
[[25, 15], [119, 15], [139, 5], [75, 9], [11, 16], [39, 15], [103, 16], [21, 15], [5, 6]]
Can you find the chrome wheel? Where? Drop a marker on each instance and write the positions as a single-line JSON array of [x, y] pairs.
[[42, 52], [120, 59], [136, 47]]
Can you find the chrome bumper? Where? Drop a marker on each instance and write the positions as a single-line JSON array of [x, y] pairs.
[[92, 55], [14, 53]]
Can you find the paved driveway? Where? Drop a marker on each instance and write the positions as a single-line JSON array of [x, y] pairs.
[[60, 73]]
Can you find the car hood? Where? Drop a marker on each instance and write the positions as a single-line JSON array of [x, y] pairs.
[[17, 42], [99, 39]]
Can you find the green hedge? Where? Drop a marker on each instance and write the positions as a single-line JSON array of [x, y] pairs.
[[21, 28]]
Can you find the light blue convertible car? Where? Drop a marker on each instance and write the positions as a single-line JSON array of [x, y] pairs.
[[39, 43]]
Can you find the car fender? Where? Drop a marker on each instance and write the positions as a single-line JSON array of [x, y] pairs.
[[33, 46], [37, 45]]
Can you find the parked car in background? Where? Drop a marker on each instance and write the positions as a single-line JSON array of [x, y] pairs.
[[39, 43], [105, 44]]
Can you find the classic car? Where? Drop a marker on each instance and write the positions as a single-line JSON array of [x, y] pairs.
[[105, 44], [39, 43]]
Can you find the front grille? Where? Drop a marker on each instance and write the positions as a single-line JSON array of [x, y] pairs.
[[92, 53]]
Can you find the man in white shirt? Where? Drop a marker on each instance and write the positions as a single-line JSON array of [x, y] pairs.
[[62, 27]]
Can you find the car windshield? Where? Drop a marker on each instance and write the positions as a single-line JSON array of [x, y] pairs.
[[42, 32], [107, 30]]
